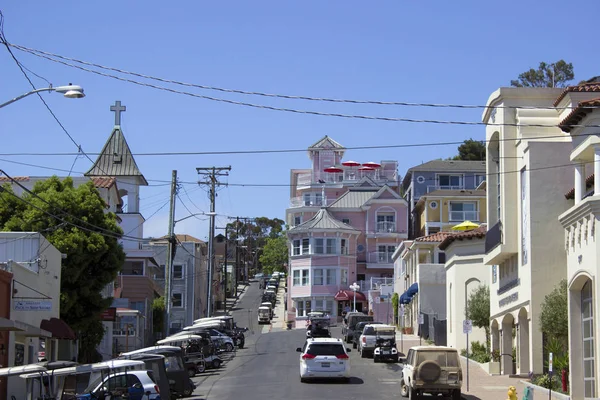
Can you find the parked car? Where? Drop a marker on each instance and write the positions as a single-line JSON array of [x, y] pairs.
[[431, 370], [371, 332], [353, 318], [222, 341], [264, 315], [357, 331], [138, 385], [324, 358]]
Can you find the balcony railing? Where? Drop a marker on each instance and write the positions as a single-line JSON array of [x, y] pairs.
[[386, 227], [508, 286], [381, 257], [123, 332], [460, 216], [348, 175], [493, 237], [374, 283], [312, 201], [432, 188]]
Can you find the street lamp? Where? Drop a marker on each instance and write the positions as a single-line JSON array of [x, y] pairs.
[[354, 288], [69, 91]]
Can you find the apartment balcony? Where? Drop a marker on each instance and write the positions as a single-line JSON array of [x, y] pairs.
[[493, 237], [460, 216], [313, 201], [380, 259], [386, 229], [374, 283], [433, 188], [348, 176]]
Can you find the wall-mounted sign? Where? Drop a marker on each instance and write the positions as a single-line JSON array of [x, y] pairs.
[[110, 314], [32, 305], [509, 299]]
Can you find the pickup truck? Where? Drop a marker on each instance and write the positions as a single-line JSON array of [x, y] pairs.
[[368, 340]]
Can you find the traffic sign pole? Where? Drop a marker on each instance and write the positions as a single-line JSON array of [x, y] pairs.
[[467, 329]]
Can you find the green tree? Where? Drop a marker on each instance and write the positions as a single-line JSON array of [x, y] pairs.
[[395, 301], [554, 316], [551, 75], [478, 309], [471, 150], [93, 254], [158, 314], [253, 234], [274, 255]]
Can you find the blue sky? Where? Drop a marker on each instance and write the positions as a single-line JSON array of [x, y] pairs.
[[435, 52]]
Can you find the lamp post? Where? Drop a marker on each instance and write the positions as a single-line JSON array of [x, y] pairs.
[[69, 91], [354, 288]]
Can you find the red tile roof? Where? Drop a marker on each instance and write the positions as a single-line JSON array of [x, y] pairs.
[[579, 113], [103, 182], [434, 237], [589, 182], [584, 87], [16, 178], [477, 233]]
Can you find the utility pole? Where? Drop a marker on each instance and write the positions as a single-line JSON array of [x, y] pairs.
[[169, 263], [237, 258], [211, 174]]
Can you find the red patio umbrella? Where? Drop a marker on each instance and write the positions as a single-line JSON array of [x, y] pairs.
[[372, 164], [351, 163], [333, 169]]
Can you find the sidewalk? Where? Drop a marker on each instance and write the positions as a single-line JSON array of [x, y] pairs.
[[231, 302]]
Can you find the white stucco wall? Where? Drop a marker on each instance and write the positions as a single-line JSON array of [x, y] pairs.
[[432, 289], [465, 271]]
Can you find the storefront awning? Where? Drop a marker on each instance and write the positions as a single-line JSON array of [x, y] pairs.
[[58, 328], [404, 299], [413, 289], [23, 329], [348, 295]]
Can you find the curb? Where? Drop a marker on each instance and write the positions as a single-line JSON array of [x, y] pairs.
[[555, 395]]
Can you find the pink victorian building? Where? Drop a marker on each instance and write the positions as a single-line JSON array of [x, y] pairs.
[[346, 219]]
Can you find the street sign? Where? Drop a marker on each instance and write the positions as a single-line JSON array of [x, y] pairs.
[[550, 362], [467, 326], [421, 319], [32, 305]]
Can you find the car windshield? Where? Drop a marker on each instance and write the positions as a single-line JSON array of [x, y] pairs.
[[325, 349], [443, 358]]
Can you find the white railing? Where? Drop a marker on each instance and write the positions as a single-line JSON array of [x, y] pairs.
[[312, 201], [464, 216], [374, 283], [304, 179], [432, 188], [381, 257], [386, 226]]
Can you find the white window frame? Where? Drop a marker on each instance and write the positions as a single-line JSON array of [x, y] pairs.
[[300, 310], [343, 277], [465, 216], [305, 277], [460, 180], [330, 277], [331, 246], [175, 275], [305, 246], [296, 281], [318, 277], [297, 220], [296, 247], [319, 246], [173, 300], [344, 246]]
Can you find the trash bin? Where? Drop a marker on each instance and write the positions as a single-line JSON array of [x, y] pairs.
[[528, 393]]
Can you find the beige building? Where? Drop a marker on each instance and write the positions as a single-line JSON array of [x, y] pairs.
[[578, 110], [442, 209], [34, 328], [524, 246], [465, 272]]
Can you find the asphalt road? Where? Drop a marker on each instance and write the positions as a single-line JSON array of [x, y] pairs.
[[268, 367]]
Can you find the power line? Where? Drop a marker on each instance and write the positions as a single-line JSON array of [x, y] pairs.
[[273, 95], [298, 111]]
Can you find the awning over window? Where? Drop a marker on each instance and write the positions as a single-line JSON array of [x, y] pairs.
[[348, 295], [407, 296], [58, 328]]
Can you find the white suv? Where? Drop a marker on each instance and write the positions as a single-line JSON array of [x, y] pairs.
[[324, 358]]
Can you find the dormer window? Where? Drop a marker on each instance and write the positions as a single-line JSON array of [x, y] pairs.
[[117, 158]]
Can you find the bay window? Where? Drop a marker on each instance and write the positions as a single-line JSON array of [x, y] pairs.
[[319, 248], [331, 246], [344, 277], [305, 246], [296, 247], [330, 276], [317, 276], [343, 246], [304, 277]]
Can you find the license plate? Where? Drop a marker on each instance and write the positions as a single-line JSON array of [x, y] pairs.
[[385, 352], [325, 365]]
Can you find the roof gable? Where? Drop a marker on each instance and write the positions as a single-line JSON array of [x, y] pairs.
[[116, 159], [326, 143], [386, 193], [353, 198], [366, 182], [590, 86], [322, 220]]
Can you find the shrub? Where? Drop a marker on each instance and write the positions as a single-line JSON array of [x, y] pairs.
[[547, 382], [478, 352], [496, 355]]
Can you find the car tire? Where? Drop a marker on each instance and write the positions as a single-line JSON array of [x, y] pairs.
[[216, 363], [191, 372], [200, 368], [404, 389], [187, 392], [353, 345], [302, 380], [228, 347], [456, 394], [375, 359], [362, 353], [413, 394]]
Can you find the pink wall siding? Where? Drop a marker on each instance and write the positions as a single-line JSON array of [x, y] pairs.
[[400, 210], [299, 291], [325, 290]]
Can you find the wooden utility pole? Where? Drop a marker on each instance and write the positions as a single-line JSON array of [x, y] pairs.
[[169, 263], [226, 258], [210, 175]]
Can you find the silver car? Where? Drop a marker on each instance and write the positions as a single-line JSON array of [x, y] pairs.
[[134, 385]]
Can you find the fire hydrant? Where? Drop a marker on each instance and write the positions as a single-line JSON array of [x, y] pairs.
[[512, 393]]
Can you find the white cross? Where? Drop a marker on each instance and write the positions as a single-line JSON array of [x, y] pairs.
[[118, 109]]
